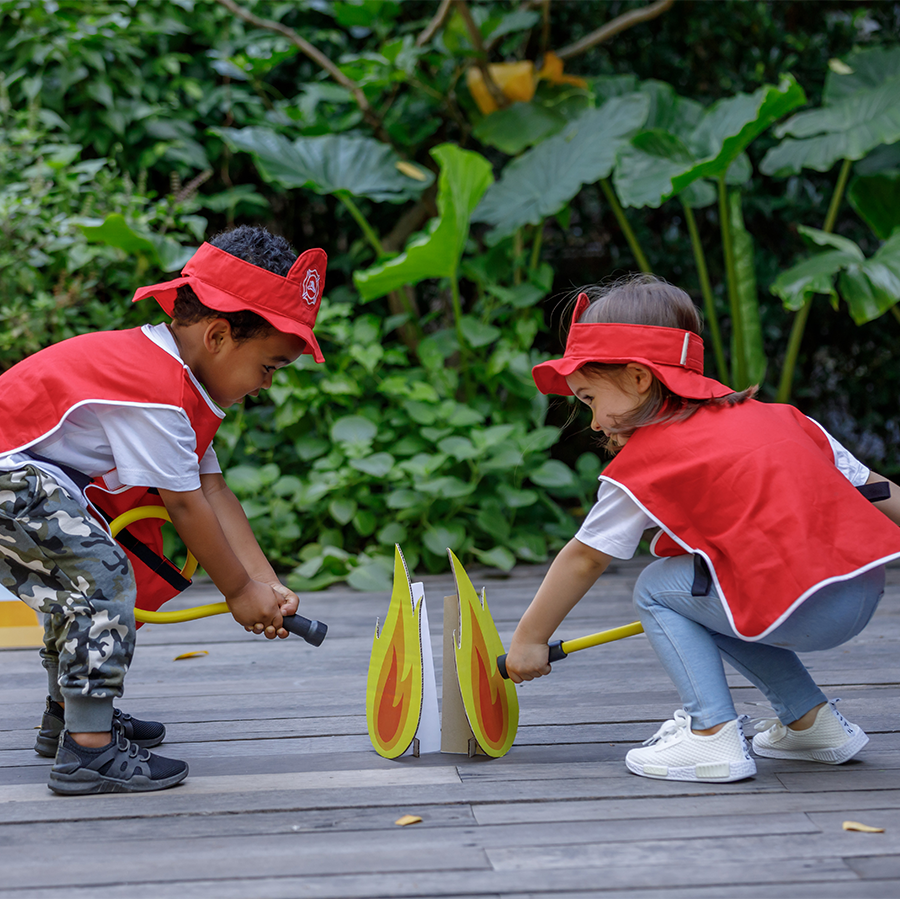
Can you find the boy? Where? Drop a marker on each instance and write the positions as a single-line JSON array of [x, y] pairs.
[[99, 422]]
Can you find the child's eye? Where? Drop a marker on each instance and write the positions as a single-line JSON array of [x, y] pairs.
[[268, 369]]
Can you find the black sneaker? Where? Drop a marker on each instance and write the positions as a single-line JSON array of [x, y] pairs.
[[144, 734], [119, 767]]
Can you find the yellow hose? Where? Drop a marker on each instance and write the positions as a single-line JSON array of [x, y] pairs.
[[180, 615], [190, 566]]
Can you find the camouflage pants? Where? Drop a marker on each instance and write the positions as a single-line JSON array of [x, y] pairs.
[[55, 557]]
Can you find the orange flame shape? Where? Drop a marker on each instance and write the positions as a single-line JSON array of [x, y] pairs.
[[394, 687], [491, 702]]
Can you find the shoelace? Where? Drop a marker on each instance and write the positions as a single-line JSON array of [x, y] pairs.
[[670, 728], [771, 720], [132, 749], [681, 721]]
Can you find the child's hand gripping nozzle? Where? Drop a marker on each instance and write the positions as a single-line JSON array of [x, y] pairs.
[[310, 630], [561, 649]]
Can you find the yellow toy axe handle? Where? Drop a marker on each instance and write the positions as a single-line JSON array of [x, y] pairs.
[[561, 649]]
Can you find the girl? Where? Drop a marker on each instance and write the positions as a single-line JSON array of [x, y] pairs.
[[768, 547]]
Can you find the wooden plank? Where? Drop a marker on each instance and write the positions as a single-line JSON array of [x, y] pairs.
[[875, 867], [711, 850], [340, 820], [180, 801], [856, 804], [283, 782], [618, 882], [208, 858], [372, 831]]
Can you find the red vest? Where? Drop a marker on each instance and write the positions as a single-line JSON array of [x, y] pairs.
[[118, 368], [753, 489]]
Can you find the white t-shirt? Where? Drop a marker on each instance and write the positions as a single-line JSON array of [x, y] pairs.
[[147, 446], [615, 523]]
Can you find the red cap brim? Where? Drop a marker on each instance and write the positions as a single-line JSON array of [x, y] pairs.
[[674, 355], [227, 284]]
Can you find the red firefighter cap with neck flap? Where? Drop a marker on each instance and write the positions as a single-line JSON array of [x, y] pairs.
[[673, 355], [225, 283]]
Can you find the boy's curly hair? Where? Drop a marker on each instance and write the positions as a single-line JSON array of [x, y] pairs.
[[254, 245]]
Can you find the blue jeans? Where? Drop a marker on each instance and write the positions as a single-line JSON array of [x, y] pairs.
[[692, 635]]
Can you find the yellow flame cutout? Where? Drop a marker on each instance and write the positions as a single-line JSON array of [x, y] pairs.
[[490, 701], [394, 686]]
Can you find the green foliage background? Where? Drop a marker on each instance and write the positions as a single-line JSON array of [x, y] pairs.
[[130, 131]]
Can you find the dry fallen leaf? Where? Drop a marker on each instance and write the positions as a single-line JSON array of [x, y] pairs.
[[858, 826], [408, 820], [191, 654], [410, 170]]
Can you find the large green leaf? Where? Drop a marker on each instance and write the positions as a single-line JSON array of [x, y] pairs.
[[731, 125], [870, 287], [815, 275], [659, 164], [464, 178], [668, 111], [115, 231], [820, 238], [647, 166], [518, 126], [876, 198], [885, 158], [860, 70], [748, 298], [605, 87], [849, 129], [330, 163], [543, 180]]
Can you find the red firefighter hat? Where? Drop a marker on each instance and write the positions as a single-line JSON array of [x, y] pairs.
[[673, 355], [225, 283]]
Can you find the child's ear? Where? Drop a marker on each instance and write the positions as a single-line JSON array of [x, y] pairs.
[[217, 335], [641, 377]]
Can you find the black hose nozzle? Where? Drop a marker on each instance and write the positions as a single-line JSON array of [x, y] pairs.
[[310, 630]]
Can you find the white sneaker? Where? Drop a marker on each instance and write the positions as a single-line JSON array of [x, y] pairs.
[[831, 739], [677, 754]]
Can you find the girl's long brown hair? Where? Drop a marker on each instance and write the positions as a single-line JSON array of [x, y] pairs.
[[648, 300]]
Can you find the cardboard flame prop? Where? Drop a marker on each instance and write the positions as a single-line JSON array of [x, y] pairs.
[[400, 692], [490, 702], [480, 711]]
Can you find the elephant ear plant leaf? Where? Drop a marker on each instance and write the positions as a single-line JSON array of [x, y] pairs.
[[862, 68], [329, 164], [860, 114], [542, 181], [150, 249], [437, 253], [870, 287], [464, 178], [676, 157], [874, 192], [849, 129], [519, 126], [338, 164]]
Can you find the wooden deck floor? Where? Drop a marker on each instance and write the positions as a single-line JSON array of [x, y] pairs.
[[286, 797]]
